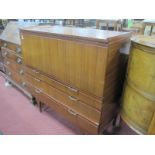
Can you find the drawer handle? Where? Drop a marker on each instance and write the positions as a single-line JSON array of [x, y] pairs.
[[38, 91], [18, 50], [5, 45], [72, 112], [24, 84], [4, 53], [72, 89], [8, 62], [21, 72], [37, 80], [19, 61], [36, 72], [73, 98], [9, 74]]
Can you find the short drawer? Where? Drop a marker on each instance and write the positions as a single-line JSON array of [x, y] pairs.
[[13, 75], [13, 47], [13, 65], [95, 103], [68, 113], [72, 102], [11, 55]]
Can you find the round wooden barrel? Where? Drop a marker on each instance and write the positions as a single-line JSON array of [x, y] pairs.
[[138, 100]]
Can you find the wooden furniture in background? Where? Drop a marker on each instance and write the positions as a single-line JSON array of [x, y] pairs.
[[138, 101], [74, 71], [1, 59], [115, 25], [12, 56], [146, 23]]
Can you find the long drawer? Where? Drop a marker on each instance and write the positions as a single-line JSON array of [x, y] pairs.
[[11, 54], [13, 65], [13, 47], [13, 75], [64, 110], [92, 101], [74, 103]]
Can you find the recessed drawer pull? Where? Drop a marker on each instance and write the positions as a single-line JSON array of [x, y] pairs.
[[9, 74], [4, 53], [72, 89], [19, 60], [24, 84], [36, 72], [73, 98], [18, 50], [21, 72], [72, 112], [38, 91], [8, 62], [37, 80], [5, 45]]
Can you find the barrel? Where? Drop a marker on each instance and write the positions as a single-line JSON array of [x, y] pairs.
[[138, 99]]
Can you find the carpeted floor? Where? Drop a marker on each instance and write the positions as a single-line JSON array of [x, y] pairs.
[[19, 117]]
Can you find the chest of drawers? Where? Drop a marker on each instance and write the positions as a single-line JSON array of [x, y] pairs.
[[74, 71], [11, 54]]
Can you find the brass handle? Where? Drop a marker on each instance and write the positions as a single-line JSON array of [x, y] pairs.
[[24, 84], [72, 89], [9, 74], [8, 62], [72, 112], [18, 50], [73, 98], [4, 53], [5, 45], [37, 80], [19, 61], [38, 91], [21, 72], [36, 72]]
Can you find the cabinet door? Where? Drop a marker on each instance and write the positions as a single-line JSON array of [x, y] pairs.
[[75, 63]]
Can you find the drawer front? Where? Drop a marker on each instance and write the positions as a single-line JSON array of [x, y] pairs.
[[13, 47], [83, 109], [13, 75], [68, 113], [13, 65], [11, 55], [95, 103]]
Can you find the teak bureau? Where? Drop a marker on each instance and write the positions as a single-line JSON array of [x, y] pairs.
[[74, 71], [11, 56]]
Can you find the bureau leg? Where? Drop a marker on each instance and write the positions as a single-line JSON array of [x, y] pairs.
[[40, 106], [33, 101], [114, 126], [117, 121], [8, 83]]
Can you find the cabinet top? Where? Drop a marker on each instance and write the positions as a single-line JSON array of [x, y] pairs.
[[77, 33], [144, 40], [11, 33]]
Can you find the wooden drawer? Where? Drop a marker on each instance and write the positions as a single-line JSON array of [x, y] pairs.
[[16, 48], [11, 54], [95, 103], [68, 113], [74, 103], [13, 65], [71, 101], [13, 75]]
